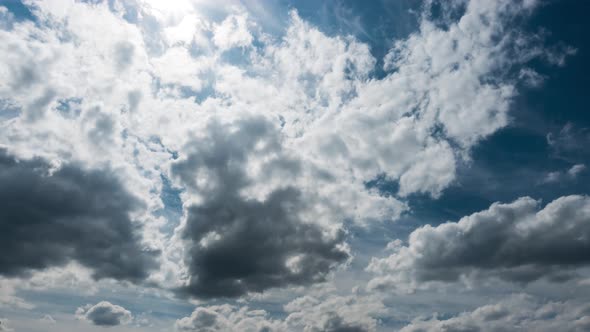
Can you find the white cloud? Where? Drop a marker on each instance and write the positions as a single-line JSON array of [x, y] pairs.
[[334, 313], [104, 314], [227, 318], [308, 313], [232, 32]]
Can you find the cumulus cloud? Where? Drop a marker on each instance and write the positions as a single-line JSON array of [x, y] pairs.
[[104, 314], [516, 242], [308, 314], [232, 32], [518, 313], [264, 201], [239, 244], [332, 313], [227, 318], [450, 85], [50, 216]]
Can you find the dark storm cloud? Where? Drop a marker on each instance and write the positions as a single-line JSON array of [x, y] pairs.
[[105, 314], [49, 217], [240, 245], [515, 242]]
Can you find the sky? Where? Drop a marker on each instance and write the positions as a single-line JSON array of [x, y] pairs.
[[282, 166]]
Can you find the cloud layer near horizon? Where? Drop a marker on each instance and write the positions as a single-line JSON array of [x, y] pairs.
[[517, 242]]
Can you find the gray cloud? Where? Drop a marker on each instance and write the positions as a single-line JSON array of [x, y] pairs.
[[238, 244], [104, 314], [51, 216], [518, 313], [227, 318], [336, 323], [514, 242], [123, 55], [3, 326], [202, 320]]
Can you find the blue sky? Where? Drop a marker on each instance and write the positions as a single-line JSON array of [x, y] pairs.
[[289, 166]]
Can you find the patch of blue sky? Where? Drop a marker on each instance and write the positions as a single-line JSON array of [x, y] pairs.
[[8, 109], [172, 210], [376, 23], [19, 10]]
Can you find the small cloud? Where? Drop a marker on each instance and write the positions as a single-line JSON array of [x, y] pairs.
[[576, 170], [552, 177], [4, 325], [48, 319], [104, 314], [570, 143], [531, 78], [560, 176]]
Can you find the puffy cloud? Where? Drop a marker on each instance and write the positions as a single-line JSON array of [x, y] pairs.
[[518, 313], [332, 313], [104, 314], [232, 32], [50, 215], [450, 85], [239, 244], [515, 242], [308, 314], [227, 318]]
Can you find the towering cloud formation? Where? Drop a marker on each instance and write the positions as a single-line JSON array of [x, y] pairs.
[[50, 216], [240, 244]]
